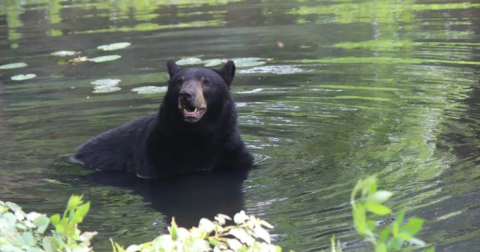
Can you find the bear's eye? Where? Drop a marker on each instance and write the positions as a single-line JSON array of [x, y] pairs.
[[180, 81], [205, 80]]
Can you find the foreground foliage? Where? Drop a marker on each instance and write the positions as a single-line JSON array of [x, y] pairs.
[[391, 238], [27, 232], [248, 235]]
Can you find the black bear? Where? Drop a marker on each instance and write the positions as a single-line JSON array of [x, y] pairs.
[[195, 129]]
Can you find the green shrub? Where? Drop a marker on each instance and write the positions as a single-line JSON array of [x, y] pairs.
[[394, 236], [248, 235], [27, 232]]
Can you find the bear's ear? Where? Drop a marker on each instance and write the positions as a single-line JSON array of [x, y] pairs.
[[227, 72], [172, 68]]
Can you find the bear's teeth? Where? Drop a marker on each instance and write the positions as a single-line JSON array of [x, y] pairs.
[[187, 112]]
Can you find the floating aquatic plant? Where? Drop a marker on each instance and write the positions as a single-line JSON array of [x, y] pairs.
[[105, 58], [114, 46], [150, 90], [64, 53], [106, 82], [248, 62], [22, 77], [106, 85], [285, 69], [212, 62], [189, 61], [13, 65]]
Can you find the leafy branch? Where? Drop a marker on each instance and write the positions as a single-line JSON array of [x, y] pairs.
[[392, 237]]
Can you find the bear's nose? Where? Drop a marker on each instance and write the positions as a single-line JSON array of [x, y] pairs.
[[186, 95]]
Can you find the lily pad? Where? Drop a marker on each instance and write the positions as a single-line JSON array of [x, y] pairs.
[[189, 61], [22, 77], [105, 89], [105, 58], [114, 46], [150, 90], [13, 65], [248, 62], [64, 53], [285, 69], [212, 62], [106, 82]]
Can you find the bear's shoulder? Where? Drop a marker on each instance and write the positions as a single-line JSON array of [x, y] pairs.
[[115, 149]]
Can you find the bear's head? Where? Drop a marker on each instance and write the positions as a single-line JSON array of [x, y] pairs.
[[198, 89]]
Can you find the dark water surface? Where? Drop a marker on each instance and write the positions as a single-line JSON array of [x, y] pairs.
[[351, 88]]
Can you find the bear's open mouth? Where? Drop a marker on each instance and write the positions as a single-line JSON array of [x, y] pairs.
[[192, 113]]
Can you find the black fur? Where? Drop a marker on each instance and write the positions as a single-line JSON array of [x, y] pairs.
[[165, 145]]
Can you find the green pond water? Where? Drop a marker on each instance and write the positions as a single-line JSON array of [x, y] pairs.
[[342, 89]]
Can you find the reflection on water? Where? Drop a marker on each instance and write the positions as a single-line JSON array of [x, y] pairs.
[[350, 88]]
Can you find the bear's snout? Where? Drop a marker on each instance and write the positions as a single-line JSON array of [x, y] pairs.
[[191, 101], [186, 95]]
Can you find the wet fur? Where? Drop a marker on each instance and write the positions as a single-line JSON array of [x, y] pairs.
[[164, 144]]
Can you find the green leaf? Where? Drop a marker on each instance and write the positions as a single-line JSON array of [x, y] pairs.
[[222, 218], [83, 210], [62, 225], [200, 245], [76, 219], [47, 244], [382, 238], [206, 225], [398, 222], [28, 239], [359, 218], [234, 244], [116, 247], [405, 236], [42, 223], [105, 58], [173, 229], [22, 77], [242, 235], [332, 244], [262, 233], [371, 225], [431, 249], [13, 65], [377, 208], [394, 244], [417, 242], [240, 217], [74, 202], [373, 185], [380, 196], [114, 46], [381, 247], [413, 226], [54, 219], [369, 186]]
